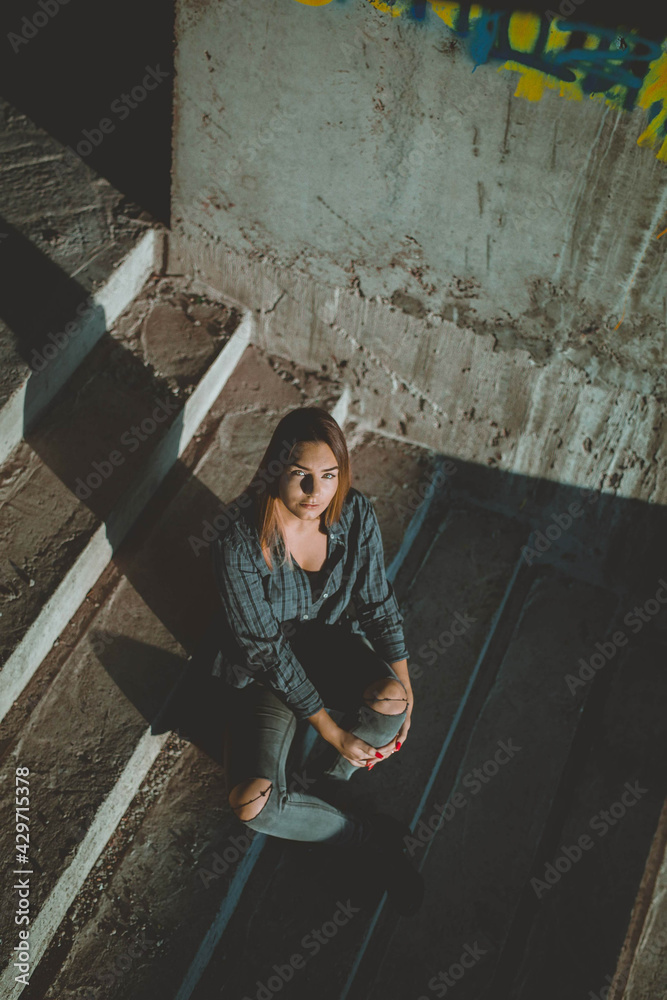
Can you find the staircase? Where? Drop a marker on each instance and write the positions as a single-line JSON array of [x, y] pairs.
[[533, 793]]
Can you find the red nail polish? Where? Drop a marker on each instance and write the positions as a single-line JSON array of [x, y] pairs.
[[398, 745], [378, 755]]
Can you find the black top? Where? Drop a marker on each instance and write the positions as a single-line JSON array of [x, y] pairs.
[[316, 577]]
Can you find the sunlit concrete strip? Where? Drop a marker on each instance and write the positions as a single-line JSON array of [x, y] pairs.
[[435, 769], [25, 407], [61, 897], [59, 609]]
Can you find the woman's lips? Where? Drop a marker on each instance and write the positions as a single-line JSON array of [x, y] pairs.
[[310, 505]]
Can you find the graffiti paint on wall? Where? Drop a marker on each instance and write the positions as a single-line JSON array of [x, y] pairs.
[[576, 59]]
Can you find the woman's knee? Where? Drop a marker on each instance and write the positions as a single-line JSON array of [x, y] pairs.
[[248, 798], [387, 696]]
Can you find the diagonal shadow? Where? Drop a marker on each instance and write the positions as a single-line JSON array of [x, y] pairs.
[[66, 73]]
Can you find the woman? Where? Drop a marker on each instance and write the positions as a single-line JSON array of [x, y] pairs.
[[302, 546]]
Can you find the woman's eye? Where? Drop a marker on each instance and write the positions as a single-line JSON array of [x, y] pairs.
[[329, 475]]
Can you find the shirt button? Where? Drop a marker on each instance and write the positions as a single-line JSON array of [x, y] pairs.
[[305, 616], [325, 595]]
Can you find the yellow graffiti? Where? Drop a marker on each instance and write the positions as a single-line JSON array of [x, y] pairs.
[[655, 90], [385, 8], [522, 36], [523, 31]]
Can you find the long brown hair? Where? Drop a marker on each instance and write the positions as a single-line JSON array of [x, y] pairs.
[[307, 423]]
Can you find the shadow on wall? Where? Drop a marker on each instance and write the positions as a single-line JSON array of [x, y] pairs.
[[98, 77]]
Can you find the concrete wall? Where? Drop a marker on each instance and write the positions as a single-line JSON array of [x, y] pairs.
[[461, 255]]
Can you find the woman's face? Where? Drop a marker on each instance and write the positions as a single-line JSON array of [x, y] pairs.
[[312, 477]]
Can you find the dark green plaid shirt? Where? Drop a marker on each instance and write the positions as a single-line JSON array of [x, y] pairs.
[[261, 606]]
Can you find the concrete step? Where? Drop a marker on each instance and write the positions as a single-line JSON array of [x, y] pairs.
[[74, 487], [75, 253], [98, 708], [159, 873]]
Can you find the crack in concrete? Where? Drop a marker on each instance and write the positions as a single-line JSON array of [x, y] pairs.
[[279, 299]]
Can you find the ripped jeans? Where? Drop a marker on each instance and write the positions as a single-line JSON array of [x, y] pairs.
[[344, 667]]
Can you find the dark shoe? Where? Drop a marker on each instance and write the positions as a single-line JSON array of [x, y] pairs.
[[383, 856]]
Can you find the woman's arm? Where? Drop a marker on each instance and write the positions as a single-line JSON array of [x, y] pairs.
[[257, 631], [373, 596]]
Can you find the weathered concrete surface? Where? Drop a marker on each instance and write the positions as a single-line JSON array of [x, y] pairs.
[[416, 285], [451, 389], [64, 231]]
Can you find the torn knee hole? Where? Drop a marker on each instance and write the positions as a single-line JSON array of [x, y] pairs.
[[248, 810], [394, 706]]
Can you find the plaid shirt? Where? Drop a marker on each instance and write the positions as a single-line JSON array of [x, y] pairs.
[[260, 607]]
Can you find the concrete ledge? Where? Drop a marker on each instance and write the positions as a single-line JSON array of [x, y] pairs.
[[28, 402]]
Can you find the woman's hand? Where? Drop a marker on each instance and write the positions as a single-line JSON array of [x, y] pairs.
[[353, 749], [398, 740]]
